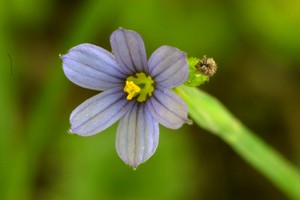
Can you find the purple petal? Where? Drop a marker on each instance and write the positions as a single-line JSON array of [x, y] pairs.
[[168, 108], [129, 50], [137, 136], [99, 112], [92, 67], [168, 66]]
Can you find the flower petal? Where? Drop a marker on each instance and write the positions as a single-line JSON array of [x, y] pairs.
[[168, 108], [129, 50], [168, 66], [137, 136], [92, 67], [99, 112]]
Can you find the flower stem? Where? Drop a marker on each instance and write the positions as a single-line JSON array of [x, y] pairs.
[[211, 115]]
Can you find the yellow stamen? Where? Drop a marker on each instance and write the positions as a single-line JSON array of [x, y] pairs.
[[132, 89]]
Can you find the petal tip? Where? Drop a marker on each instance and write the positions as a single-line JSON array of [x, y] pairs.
[[189, 121], [71, 132], [62, 56], [134, 167]]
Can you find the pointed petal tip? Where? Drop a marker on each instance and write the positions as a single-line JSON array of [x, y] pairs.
[[71, 131], [189, 121], [74, 132], [134, 167], [62, 56], [77, 131]]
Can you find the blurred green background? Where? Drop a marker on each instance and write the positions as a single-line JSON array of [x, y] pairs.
[[256, 44]]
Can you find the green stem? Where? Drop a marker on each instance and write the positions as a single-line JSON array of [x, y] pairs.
[[211, 115]]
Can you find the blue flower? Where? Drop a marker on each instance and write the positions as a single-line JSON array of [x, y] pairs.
[[135, 91]]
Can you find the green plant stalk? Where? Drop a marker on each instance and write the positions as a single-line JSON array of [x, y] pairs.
[[211, 115]]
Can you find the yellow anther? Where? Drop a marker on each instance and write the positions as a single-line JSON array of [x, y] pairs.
[[132, 89]]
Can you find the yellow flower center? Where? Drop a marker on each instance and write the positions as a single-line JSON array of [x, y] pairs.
[[140, 86], [132, 89]]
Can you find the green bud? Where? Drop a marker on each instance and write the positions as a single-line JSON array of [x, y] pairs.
[[195, 78]]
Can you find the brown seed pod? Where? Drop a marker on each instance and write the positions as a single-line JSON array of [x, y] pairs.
[[206, 66]]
